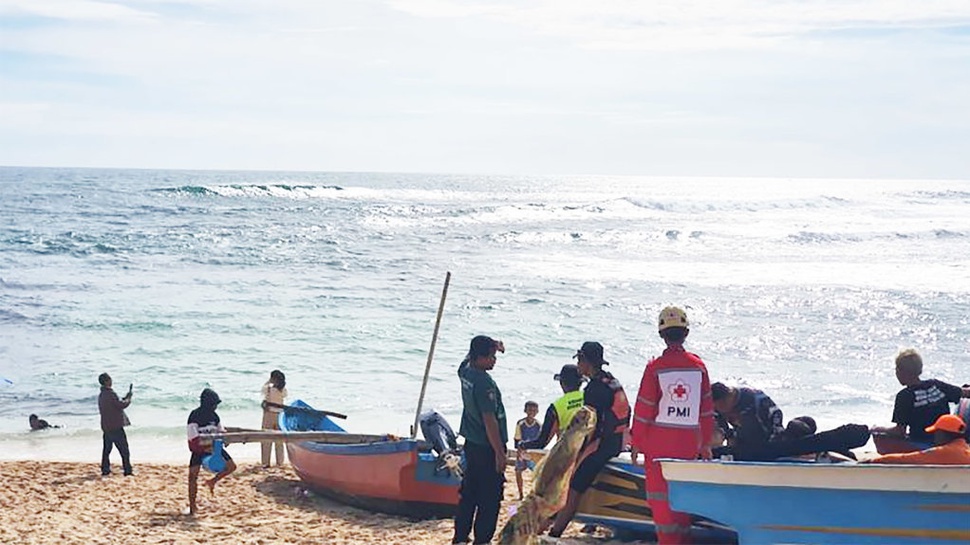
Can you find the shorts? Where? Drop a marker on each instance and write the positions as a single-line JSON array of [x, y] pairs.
[[590, 467], [196, 459]]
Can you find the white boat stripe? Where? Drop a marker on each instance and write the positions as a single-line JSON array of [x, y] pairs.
[[848, 476]]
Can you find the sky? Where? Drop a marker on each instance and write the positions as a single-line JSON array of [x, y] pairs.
[[777, 88]]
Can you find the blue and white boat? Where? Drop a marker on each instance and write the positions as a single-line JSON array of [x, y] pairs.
[[819, 503], [617, 500]]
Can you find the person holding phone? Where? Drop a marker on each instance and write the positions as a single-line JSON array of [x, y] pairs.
[[113, 422]]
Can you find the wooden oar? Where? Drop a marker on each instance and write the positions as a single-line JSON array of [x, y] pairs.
[[305, 410]]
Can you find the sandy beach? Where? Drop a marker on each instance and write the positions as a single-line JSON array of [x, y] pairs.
[[71, 503]]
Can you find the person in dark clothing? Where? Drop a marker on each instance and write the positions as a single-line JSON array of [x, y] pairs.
[[747, 418], [37, 423], [204, 420], [560, 411], [751, 423], [484, 427], [921, 402], [113, 422], [606, 396], [800, 426]]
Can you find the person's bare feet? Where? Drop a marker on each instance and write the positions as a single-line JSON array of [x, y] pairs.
[[211, 484]]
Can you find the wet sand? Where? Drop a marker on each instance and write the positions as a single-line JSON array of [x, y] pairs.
[[71, 503]]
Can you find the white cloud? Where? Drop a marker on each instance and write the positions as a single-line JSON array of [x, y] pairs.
[[666, 25], [534, 86], [74, 10]]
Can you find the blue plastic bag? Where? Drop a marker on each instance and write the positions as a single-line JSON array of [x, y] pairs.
[[215, 462]]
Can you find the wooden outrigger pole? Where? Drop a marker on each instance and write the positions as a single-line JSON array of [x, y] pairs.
[[427, 367]]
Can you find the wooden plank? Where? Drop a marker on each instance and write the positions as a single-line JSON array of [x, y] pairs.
[[333, 437]]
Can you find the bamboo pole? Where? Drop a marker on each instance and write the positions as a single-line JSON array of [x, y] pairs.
[[427, 366]]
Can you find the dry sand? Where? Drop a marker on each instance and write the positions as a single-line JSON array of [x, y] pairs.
[[71, 503]]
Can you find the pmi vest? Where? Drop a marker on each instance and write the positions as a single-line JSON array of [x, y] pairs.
[[566, 408]]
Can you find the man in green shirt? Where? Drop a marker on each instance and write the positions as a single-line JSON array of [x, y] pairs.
[[485, 431]]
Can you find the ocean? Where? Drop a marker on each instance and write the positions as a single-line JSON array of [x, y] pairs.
[[178, 280]]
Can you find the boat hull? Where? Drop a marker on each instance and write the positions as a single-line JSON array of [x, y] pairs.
[[391, 476], [826, 503], [617, 500]]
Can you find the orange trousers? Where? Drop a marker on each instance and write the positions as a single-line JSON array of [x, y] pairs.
[[673, 527]]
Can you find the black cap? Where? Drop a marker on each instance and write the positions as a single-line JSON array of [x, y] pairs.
[[569, 374], [592, 352], [482, 345], [720, 391]]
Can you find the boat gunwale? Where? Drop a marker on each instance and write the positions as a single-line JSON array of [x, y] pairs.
[[928, 479]]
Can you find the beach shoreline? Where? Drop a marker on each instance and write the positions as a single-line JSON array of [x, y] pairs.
[[44, 502]]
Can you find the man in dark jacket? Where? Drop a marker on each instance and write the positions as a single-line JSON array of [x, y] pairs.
[[748, 419], [113, 422]]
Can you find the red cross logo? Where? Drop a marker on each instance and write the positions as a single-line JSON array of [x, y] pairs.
[[679, 392]]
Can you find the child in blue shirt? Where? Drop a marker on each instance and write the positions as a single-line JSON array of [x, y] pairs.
[[526, 429]]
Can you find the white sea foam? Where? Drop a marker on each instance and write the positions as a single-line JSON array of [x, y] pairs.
[[804, 288]]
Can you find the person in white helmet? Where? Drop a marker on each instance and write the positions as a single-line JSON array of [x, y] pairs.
[[673, 418]]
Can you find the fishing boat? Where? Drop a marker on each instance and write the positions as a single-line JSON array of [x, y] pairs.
[[617, 500], [381, 473], [820, 503]]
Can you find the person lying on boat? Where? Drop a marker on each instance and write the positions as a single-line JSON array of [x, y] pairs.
[[751, 423], [747, 418], [921, 402], [951, 448], [38, 423], [204, 419], [800, 426], [561, 411]]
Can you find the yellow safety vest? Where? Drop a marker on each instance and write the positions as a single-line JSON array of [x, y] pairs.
[[566, 407]]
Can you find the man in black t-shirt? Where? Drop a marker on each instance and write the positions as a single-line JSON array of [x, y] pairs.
[[605, 395], [204, 420], [921, 402]]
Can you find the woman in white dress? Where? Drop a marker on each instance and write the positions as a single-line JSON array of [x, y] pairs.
[[274, 392]]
